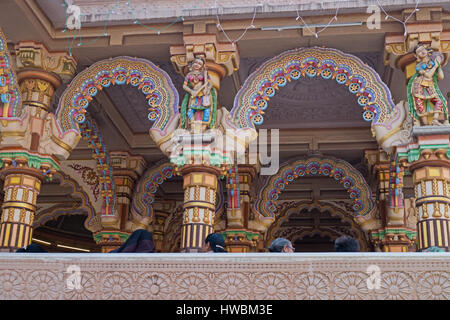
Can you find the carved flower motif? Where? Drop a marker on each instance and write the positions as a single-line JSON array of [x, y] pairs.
[[43, 285], [87, 291], [434, 285], [271, 286], [230, 286], [116, 286], [11, 286], [351, 286], [312, 286], [395, 286], [192, 286], [154, 286]]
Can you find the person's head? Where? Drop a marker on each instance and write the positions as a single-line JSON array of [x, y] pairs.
[[346, 244], [214, 242], [281, 245], [33, 247]]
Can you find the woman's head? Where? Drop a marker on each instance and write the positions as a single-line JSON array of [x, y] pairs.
[[214, 242], [281, 245]]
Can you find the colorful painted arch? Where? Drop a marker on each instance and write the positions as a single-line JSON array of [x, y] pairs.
[[155, 83], [339, 170], [372, 94], [10, 97], [148, 185]]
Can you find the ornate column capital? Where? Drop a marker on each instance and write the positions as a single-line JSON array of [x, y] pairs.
[[222, 58], [33, 56], [124, 163], [425, 26], [16, 160], [40, 72]]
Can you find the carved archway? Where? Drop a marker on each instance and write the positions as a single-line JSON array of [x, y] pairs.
[[142, 74], [92, 222], [360, 79], [148, 185], [144, 194], [339, 170], [293, 233]]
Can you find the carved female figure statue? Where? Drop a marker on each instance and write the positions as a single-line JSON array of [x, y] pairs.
[[200, 103], [426, 102]]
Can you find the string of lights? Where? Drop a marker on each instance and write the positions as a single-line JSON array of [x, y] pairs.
[[396, 19], [316, 33], [312, 29], [219, 25]]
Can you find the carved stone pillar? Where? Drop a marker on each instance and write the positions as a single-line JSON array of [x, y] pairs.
[[429, 162], [40, 73], [200, 189], [31, 145], [394, 236], [23, 177], [126, 171], [238, 236]]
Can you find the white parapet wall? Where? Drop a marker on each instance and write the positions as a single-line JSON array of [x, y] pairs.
[[225, 276]]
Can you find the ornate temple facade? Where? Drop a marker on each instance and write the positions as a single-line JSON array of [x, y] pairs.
[[306, 120]]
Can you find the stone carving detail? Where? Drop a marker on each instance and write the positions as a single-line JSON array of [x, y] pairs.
[[232, 286], [192, 286], [395, 286], [351, 286], [88, 290], [434, 286], [312, 286], [117, 285], [427, 104], [176, 276], [12, 286], [43, 285], [154, 285], [271, 286]]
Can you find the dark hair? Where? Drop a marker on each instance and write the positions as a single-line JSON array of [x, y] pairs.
[[278, 244], [33, 247], [346, 244], [216, 242]]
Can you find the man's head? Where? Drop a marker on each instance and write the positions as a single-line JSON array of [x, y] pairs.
[[281, 245], [346, 244], [214, 242]]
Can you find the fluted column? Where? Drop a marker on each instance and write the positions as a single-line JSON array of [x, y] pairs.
[[127, 169], [200, 189], [31, 147], [431, 185], [23, 178], [197, 153], [238, 236], [388, 174]]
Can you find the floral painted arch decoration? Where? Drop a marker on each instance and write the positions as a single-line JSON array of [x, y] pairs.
[[371, 93], [153, 82], [149, 183], [146, 189], [339, 170]]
